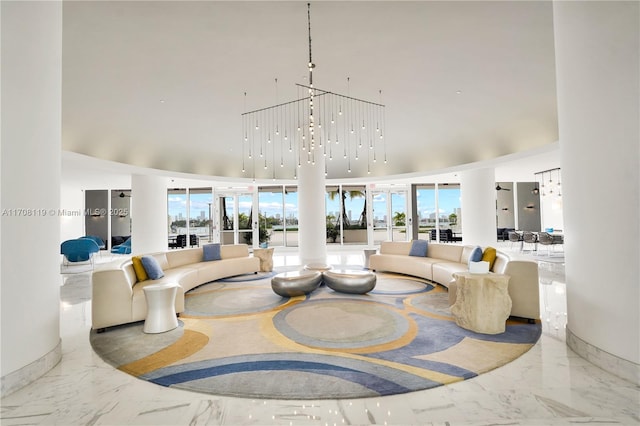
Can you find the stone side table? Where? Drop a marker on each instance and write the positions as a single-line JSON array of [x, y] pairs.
[[161, 309], [266, 258], [482, 302]]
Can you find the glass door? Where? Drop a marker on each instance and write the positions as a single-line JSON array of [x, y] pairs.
[[389, 215], [245, 218], [399, 215], [380, 217], [235, 217]]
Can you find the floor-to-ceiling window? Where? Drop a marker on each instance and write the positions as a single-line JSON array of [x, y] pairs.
[[234, 216], [438, 212], [449, 212], [200, 223], [390, 214], [399, 215], [380, 218], [346, 213], [334, 215], [426, 210], [354, 202], [291, 216], [226, 218], [271, 220], [177, 213]]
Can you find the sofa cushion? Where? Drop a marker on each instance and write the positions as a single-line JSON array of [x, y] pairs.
[[489, 255], [211, 252], [418, 248], [138, 267], [476, 254], [152, 267], [230, 251]]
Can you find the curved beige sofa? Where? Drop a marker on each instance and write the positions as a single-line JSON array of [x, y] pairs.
[[443, 260], [118, 297]]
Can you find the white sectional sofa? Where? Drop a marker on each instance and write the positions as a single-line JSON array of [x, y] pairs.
[[443, 260], [118, 296]]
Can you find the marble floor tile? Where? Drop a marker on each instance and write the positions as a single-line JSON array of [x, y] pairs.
[[548, 385]]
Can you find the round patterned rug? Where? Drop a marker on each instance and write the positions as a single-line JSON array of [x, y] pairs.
[[238, 338]]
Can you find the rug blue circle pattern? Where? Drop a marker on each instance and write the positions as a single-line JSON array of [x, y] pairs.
[[240, 339]]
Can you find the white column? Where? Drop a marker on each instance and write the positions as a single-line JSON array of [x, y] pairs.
[[478, 203], [30, 181], [148, 214], [597, 59], [312, 232]]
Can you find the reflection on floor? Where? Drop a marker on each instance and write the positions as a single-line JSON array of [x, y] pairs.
[[549, 385]]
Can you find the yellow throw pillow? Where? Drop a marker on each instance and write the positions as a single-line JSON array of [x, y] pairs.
[[141, 274], [489, 255]]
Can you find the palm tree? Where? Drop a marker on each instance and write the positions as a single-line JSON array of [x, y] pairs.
[[399, 219], [343, 216]]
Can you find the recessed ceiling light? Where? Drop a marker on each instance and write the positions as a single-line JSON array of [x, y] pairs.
[[161, 101], [458, 92]]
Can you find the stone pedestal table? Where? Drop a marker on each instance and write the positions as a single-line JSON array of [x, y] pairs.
[[482, 302], [266, 258]]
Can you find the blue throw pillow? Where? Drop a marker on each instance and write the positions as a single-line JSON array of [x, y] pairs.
[[211, 252], [476, 254], [152, 267], [419, 248]]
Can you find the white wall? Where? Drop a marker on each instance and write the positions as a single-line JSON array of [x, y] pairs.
[[552, 212], [31, 134], [71, 201], [478, 202], [148, 214], [597, 60]]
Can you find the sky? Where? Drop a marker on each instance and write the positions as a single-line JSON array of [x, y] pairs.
[[271, 204]]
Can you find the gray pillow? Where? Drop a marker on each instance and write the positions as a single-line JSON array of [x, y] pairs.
[[211, 252], [152, 267], [419, 248]]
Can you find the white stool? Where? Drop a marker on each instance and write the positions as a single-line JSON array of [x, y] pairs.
[[161, 309]]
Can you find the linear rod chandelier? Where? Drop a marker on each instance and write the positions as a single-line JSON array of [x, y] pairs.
[[551, 185], [278, 139]]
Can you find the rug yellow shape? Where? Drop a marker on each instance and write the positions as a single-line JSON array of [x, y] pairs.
[[478, 356], [190, 343]]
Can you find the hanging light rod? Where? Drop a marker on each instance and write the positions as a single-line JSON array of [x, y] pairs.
[[320, 124]]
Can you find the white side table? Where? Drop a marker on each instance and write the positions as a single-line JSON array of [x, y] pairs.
[[161, 308]]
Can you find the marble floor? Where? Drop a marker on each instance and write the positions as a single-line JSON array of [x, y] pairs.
[[549, 385]]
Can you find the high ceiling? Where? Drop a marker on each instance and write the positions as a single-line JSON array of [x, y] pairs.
[[161, 84]]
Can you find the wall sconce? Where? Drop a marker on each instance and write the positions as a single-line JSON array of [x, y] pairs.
[[530, 207], [504, 209]]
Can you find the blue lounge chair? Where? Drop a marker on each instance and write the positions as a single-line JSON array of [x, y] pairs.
[[79, 250], [124, 248]]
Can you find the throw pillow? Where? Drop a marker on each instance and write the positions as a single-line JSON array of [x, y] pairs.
[[418, 248], [489, 255], [211, 252], [152, 267], [141, 274], [476, 254]]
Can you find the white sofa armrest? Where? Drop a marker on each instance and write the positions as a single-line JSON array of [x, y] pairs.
[[112, 291]]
